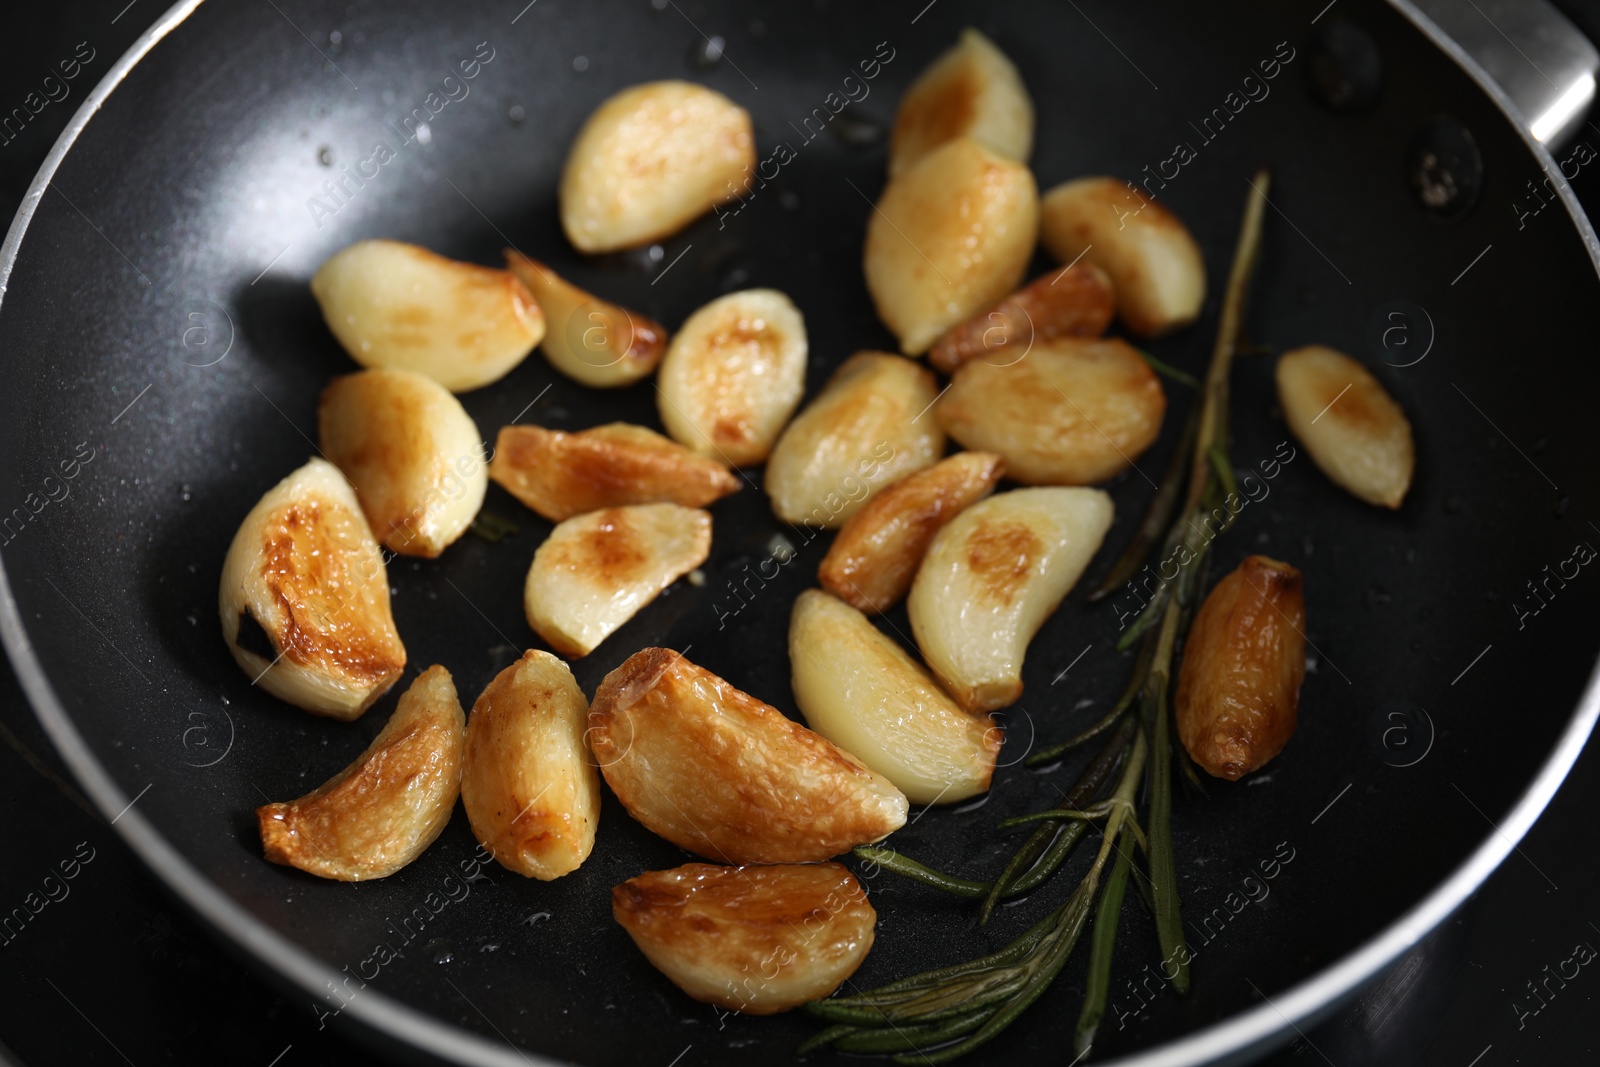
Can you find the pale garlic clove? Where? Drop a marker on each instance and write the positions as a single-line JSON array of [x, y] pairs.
[[304, 597], [873, 560], [949, 237], [382, 811], [860, 690], [649, 161], [561, 474], [733, 375], [757, 940], [869, 427], [972, 90], [716, 771], [592, 341], [596, 571], [1154, 263], [990, 580], [1077, 301], [412, 453], [531, 792], [1238, 694], [1074, 412], [392, 304], [1354, 430]]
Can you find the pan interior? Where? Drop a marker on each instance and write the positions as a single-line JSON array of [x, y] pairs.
[[160, 341]]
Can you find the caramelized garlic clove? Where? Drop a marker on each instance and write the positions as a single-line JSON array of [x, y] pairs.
[[1238, 691], [757, 940], [733, 375], [304, 597], [1075, 302], [649, 161], [412, 453], [596, 571], [972, 90], [990, 580], [1354, 430], [860, 690], [1073, 412], [592, 341], [529, 786], [561, 474], [876, 554], [949, 237], [392, 304], [384, 809], [867, 428], [716, 771], [1154, 263]]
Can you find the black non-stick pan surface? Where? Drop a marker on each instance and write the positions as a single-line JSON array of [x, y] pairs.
[[159, 341]]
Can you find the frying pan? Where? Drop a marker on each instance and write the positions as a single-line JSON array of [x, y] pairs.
[[156, 320]]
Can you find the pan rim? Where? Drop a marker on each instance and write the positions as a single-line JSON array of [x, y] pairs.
[[1246, 1033]]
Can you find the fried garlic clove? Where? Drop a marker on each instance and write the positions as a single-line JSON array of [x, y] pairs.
[[873, 560], [596, 571], [758, 940], [867, 428], [990, 580], [387, 807], [733, 375], [1074, 412], [530, 789], [304, 597], [1154, 263], [1354, 430], [716, 771], [949, 237], [1239, 686], [649, 161], [561, 474], [592, 341], [972, 90], [412, 453], [1075, 302], [392, 304], [860, 690]]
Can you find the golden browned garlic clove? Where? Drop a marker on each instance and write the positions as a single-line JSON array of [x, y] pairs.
[[714, 770], [1353, 429], [650, 160], [733, 375], [412, 453], [530, 789], [1239, 686], [1154, 263], [867, 428], [992, 577], [861, 691], [973, 90], [1074, 302], [757, 940], [397, 305], [591, 341], [876, 554], [595, 571], [561, 474], [382, 811], [949, 237], [1074, 412], [304, 597]]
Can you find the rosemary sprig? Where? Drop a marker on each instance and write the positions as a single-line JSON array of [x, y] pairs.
[[943, 1014]]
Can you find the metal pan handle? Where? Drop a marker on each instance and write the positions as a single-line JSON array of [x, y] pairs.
[[1539, 57]]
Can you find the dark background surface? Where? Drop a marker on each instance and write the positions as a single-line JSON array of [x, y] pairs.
[[135, 980]]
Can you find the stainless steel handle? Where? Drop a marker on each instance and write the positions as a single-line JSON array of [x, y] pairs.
[[1543, 62]]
